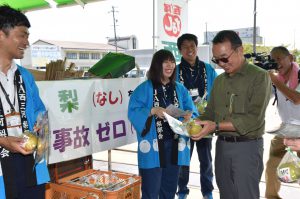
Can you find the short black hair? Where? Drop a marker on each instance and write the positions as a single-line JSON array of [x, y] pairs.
[[228, 35], [155, 72], [9, 18], [280, 49], [186, 36]]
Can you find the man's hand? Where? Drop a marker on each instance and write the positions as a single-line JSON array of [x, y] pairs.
[[274, 77], [13, 144], [207, 127], [292, 143]]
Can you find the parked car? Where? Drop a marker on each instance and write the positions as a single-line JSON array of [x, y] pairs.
[[137, 73]]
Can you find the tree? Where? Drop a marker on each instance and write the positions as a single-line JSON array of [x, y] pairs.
[[296, 54], [248, 48]]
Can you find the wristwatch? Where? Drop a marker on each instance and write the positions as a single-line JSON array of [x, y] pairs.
[[217, 129]]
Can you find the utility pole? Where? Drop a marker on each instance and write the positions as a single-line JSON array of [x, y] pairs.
[[254, 28], [115, 31], [294, 39], [153, 37], [206, 36], [116, 45]]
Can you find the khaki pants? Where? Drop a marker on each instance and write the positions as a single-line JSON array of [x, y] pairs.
[[277, 151]]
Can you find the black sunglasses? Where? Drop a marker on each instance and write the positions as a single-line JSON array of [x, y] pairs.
[[224, 59]]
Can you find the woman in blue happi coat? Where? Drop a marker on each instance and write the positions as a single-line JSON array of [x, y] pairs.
[[160, 150]]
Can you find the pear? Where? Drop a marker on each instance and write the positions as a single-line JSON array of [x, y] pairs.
[[193, 128], [289, 171], [30, 141], [41, 146], [201, 107]]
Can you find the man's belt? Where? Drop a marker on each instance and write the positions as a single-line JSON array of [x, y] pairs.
[[237, 138]]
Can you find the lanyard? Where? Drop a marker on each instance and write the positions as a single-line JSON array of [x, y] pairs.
[[12, 108], [191, 82]]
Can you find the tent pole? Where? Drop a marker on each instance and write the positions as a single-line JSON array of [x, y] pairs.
[[153, 37]]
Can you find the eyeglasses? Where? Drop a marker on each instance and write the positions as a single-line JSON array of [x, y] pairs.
[[223, 59]]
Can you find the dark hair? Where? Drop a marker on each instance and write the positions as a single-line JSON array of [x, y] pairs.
[[187, 36], [228, 35], [155, 72], [9, 18], [280, 49]]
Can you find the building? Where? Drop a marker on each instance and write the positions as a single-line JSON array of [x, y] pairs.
[[84, 55], [129, 42], [246, 35]]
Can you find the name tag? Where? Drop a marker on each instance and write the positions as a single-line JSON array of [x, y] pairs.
[[13, 120], [194, 92]]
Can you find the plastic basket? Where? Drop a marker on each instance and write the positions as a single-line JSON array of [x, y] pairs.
[[71, 189], [56, 191]]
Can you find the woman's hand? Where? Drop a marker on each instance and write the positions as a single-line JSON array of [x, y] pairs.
[[158, 111], [187, 117]]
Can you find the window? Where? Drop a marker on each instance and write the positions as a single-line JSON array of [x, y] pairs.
[[71, 55], [85, 68], [95, 55], [84, 56]]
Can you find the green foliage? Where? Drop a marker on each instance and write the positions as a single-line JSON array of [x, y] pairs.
[[248, 48], [296, 54]]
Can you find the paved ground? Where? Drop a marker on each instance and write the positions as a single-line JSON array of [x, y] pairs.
[[126, 161]]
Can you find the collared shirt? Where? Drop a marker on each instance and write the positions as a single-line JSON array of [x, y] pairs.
[[7, 82], [241, 99]]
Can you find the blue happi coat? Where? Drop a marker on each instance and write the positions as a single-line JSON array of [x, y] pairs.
[[34, 106], [140, 104], [210, 73]]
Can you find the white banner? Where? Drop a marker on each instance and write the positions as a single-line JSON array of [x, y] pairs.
[[43, 54], [172, 21], [87, 116], [246, 35]]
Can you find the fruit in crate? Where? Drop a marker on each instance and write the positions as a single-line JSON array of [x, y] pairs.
[[30, 141], [193, 128], [289, 172]]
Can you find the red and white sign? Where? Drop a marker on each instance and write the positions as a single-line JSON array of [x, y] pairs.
[[172, 21]]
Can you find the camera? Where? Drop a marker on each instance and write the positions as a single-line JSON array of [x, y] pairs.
[[262, 60]]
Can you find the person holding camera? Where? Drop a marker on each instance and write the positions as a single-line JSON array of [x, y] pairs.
[[287, 89], [198, 78], [236, 113]]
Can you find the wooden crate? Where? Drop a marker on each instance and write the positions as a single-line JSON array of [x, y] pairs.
[[69, 190], [63, 169]]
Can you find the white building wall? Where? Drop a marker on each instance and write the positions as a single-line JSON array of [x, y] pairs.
[[41, 53]]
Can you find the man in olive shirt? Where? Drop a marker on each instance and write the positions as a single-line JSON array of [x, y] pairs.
[[236, 112]]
